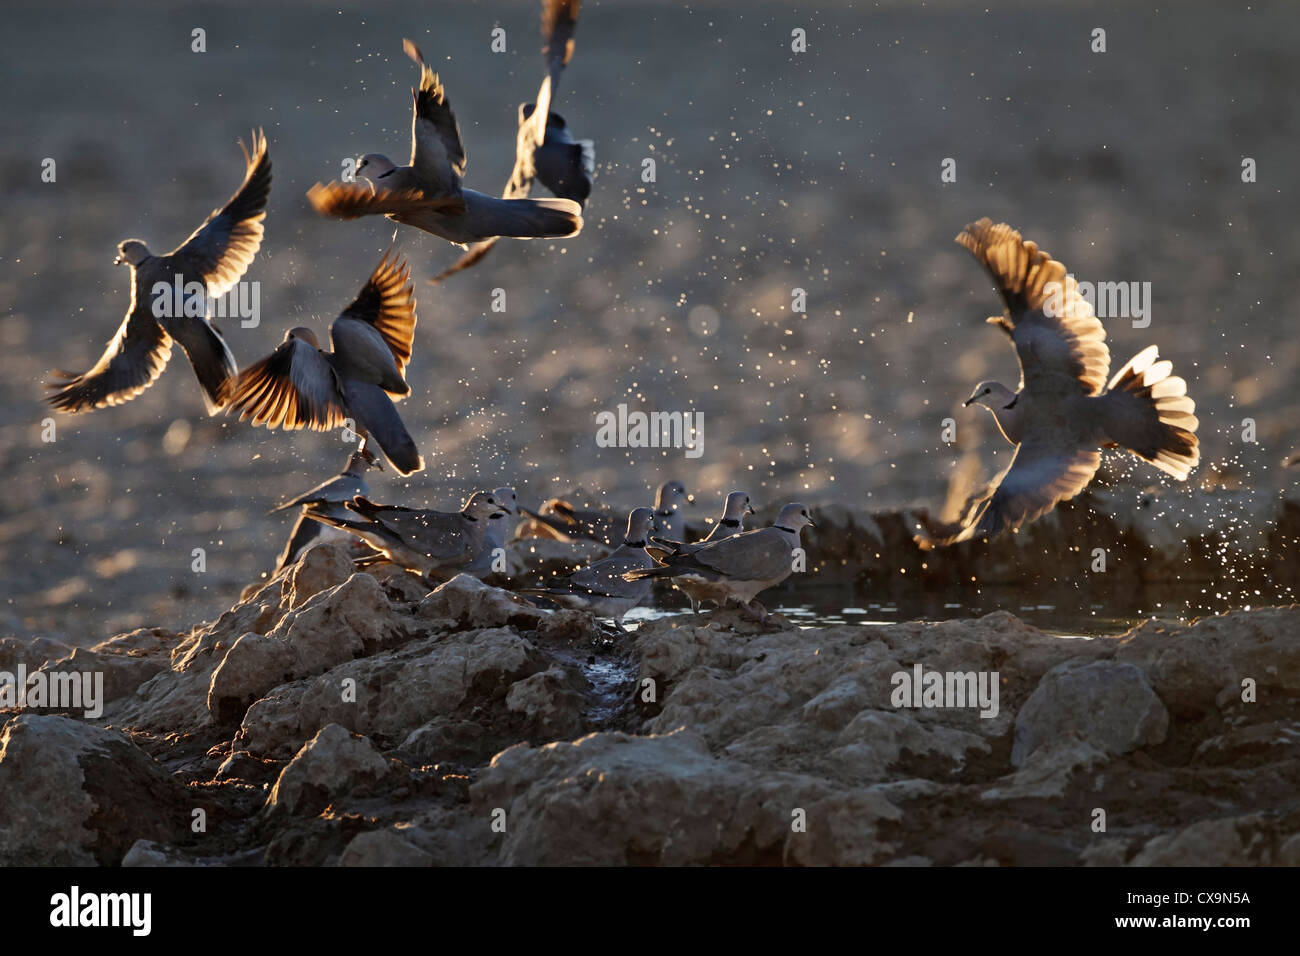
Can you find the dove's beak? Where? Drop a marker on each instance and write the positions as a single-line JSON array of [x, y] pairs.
[[749, 510], [966, 404], [811, 524]]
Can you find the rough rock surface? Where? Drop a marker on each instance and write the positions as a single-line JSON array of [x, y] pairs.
[[355, 718]]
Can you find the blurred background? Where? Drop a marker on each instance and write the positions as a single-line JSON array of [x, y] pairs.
[[774, 171]]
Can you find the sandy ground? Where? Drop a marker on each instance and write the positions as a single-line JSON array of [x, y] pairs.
[[775, 171]]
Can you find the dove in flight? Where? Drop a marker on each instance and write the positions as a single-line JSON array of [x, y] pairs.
[[215, 257], [427, 192], [602, 586], [1065, 410], [738, 567], [545, 149], [421, 541], [333, 493], [300, 385]]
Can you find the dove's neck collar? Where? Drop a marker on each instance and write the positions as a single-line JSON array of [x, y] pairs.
[[781, 527], [633, 544], [1010, 419], [730, 522], [468, 517]]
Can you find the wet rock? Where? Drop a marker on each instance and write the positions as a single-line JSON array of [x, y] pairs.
[[336, 625], [1108, 703], [76, 795], [150, 853], [331, 764], [549, 702], [467, 601], [320, 568], [389, 695], [383, 848]]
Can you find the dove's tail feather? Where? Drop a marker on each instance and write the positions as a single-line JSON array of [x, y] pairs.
[[526, 218], [1148, 412], [377, 418]]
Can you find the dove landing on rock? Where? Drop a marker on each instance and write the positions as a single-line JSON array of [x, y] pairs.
[[299, 385], [420, 541], [737, 568], [427, 193], [1065, 409], [545, 150], [329, 497], [603, 587], [215, 256]]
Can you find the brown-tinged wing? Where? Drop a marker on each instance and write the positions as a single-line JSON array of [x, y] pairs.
[[293, 387], [222, 249], [353, 200], [437, 152], [387, 303]]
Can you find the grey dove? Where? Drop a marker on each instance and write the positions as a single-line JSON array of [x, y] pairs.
[[215, 256], [732, 521], [738, 567], [299, 385], [427, 193], [329, 495], [545, 149], [421, 541], [498, 531], [1065, 410], [602, 586], [670, 520]]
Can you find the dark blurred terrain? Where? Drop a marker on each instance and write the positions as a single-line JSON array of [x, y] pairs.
[[775, 171]]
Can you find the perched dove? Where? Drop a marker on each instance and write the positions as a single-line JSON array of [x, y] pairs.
[[495, 538], [559, 519], [300, 385], [545, 150], [329, 496], [420, 541], [733, 515], [215, 256], [670, 520], [738, 567], [427, 193], [602, 587], [731, 522], [1064, 409]]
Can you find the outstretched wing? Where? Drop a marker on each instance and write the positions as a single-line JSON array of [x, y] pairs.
[[293, 387], [221, 250], [387, 304], [437, 153], [1041, 474], [133, 360], [353, 200], [1059, 340]]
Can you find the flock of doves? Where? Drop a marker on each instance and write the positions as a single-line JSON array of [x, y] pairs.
[[1064, 411]]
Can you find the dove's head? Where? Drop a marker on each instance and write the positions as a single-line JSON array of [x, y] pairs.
[[131, 251], [639, 525], [506, 498], [793, 517], [737, 506], [993, 395], [671, 496], [374, 166], [484, 504], [304, 333]]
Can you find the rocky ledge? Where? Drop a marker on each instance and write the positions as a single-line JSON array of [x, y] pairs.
[[351, 718]]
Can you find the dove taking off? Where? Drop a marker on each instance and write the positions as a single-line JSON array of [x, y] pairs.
[[427, 192], [1065, 410], [215, 257], [300, 385], [545, 149], [738, 567], [603, 587]]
